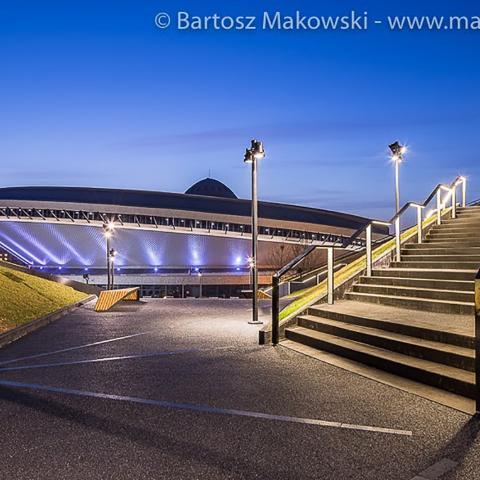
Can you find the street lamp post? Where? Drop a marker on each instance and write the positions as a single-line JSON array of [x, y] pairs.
[[252, 154], [108, 230], [397, 157], [112, 253]]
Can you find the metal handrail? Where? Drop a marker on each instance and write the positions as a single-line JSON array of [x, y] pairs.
[[367, 228]]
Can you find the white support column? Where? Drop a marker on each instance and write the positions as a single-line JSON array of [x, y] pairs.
[[330, 285], [439, 206], [398, 245], [419, 225], [464, 192], [454, 202], [369, 249]]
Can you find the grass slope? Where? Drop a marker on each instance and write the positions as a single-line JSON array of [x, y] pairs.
[[25, 297]]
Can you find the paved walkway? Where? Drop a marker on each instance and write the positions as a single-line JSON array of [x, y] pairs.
[[179, 389]]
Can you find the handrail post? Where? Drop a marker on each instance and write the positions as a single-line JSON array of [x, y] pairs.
[[477, 343], [398, 244], [439, 206], [275, 309], [419, 225], [330, 277], [368, 235], [464, 192], [454, 201]]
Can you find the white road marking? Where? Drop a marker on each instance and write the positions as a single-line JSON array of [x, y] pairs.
[[111, 359], [206, 409], [77, 347]]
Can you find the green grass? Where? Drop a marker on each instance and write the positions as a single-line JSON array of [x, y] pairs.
[[25, 297], [304, 298]]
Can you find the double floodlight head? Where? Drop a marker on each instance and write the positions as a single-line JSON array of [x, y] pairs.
[[255, 152], [398, 151]]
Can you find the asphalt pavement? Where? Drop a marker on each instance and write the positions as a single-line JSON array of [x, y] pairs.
[[180, 389]]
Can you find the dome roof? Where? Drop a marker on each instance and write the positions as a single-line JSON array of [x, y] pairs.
[[209, 187]]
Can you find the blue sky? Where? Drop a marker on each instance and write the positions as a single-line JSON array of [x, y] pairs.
[[93, 93]]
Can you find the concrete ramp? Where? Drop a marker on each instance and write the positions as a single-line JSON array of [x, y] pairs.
[[109, 298]]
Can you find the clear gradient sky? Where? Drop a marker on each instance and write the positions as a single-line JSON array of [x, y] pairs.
[[93, 93]]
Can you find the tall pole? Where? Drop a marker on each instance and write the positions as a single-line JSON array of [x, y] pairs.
[[107, 238], [112, 275], [254, 243], [397, 186]]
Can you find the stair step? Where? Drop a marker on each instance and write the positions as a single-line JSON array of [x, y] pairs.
[[440, 265], [449, 244], [467, 217], [466, 228], [434, 394], [402, 291], [452, 237], [443, 376], [453, 356], [428, 249], [431, 273], [430, 305], [471, 240], [472, 209], [469, 209], [440, 251], [414, 257], [429, 283], [445, 328], [461, 221], [468, 214]]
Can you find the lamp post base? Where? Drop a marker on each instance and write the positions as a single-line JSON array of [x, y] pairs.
[[258, 322]]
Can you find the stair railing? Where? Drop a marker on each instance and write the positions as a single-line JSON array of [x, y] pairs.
[[451, 194], [441, 204]]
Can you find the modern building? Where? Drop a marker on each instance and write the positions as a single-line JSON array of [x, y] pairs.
[[161, 238]]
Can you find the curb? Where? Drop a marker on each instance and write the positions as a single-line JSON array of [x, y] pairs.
[[22, 330]]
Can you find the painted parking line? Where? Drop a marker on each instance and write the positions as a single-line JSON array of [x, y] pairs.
[[205, 408], [76, 347], [116, 358]]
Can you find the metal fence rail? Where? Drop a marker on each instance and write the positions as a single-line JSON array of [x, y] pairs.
[[441, 204]]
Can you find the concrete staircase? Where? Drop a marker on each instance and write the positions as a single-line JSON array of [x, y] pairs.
[[414, 319]]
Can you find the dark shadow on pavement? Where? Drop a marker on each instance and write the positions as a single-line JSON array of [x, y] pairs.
[[151, 439], [459, 446]]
